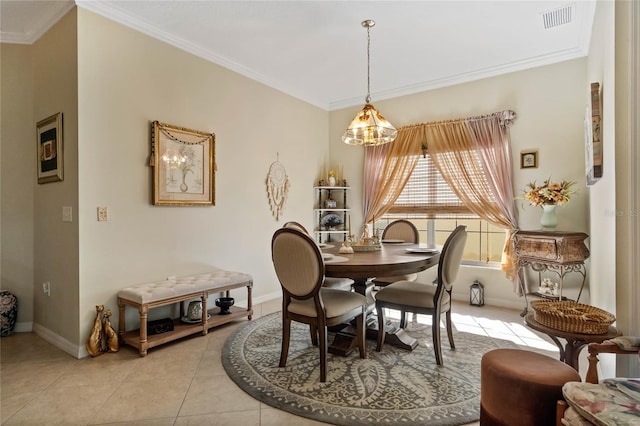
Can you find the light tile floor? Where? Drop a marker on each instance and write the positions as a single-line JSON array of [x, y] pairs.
[[181, 383]]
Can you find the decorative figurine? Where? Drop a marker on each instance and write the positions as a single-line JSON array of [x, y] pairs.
[[111, 338], [95, 343]]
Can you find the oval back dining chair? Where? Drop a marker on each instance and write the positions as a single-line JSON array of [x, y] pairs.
[[406, 231], [300, 269], [419, 298], [339, 283]]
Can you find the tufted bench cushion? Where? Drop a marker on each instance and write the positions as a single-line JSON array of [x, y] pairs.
[[162, 290], [162, 293]]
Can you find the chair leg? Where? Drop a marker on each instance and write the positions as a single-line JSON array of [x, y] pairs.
[[435, 331], [313, 330], [361, 335], [323, 352], [381, 323], [450, 330], [403, 319], [286, 334]]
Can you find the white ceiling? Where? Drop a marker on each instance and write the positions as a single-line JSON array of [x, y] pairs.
[[316, 50]]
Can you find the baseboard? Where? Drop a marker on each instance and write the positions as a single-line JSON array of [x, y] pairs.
[[23, 327], [60, 342]]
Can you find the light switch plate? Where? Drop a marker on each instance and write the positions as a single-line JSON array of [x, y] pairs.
[[102, 214], [67, 214]]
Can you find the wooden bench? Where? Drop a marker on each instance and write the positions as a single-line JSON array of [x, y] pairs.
[[153, 295]]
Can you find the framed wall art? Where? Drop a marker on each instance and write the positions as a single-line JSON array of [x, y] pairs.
[[183, 166], [50, 160], [593, 137], [528, 159]]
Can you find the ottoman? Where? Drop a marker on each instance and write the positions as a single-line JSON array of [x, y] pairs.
[[520, 387]]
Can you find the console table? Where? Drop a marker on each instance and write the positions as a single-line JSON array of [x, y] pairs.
[[558, 252]]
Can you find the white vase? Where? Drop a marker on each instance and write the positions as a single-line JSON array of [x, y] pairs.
[[332, 181], [549, 220]]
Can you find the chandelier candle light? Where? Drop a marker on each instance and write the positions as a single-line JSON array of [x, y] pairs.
[[369, 128]]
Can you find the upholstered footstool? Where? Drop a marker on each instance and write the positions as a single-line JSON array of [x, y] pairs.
[[521, 388]]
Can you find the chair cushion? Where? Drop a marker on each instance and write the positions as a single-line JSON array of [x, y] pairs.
[[390, 280], [572, 418], [410, 293], [336, 303], [338, 283], [611, 402]]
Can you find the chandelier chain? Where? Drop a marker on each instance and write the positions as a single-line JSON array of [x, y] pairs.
[[368, 100]]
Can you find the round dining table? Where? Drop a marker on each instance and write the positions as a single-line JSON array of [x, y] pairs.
[[392, 259]]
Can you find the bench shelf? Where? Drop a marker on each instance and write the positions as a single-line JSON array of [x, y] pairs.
[[148, 296]]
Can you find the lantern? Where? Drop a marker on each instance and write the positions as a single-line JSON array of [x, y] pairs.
[[476, 294]]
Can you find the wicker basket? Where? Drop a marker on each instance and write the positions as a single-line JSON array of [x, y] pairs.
[[572, 317], [365, 247]]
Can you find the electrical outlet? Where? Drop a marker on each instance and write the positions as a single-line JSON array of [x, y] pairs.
[[46, 288], [103, 214]]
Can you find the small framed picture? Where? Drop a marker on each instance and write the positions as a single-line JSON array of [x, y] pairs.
[[529, 159], [50, 154]]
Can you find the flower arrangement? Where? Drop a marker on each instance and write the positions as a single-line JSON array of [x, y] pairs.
[[549, 193]]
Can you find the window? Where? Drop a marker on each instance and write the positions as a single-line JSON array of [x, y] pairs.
[[428, 202]]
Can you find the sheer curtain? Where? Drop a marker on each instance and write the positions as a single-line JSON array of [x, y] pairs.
[[472, 155], [387, 169]]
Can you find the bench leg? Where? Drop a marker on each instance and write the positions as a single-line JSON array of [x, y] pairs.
[[143, 346], [204, 298], [121, 326]]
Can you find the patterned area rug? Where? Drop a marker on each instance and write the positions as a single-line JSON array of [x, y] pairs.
[[391, 387]]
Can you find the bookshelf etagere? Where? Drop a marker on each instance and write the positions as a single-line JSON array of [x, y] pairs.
[[332, 213]]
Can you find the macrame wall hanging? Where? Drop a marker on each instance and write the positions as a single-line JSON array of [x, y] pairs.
[[277, 187]]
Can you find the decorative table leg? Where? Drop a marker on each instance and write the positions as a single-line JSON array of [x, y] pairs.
[[249, 306]]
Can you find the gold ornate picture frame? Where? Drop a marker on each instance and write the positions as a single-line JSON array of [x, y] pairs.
[[50, 161], [593, 137], [183, 166]]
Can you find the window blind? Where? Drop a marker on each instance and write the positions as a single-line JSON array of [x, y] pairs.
[[428, 196]]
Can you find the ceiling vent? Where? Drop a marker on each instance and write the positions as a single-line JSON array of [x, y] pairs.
[[556, 17]]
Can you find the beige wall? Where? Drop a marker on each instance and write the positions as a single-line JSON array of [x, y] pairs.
[[126, 80], [17, 178], [550, 105], [627, 175], [56, 242]]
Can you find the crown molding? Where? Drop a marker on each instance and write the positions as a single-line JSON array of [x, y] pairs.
[[548, 59], [42, 27]]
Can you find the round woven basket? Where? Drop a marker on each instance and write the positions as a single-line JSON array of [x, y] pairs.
[[572, 316]]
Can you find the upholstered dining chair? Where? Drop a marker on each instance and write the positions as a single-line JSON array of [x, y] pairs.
[[300, 269], [419, 298], [399, 230], [339, 283]]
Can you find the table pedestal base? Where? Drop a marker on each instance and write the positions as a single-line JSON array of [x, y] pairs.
[[345, 340]]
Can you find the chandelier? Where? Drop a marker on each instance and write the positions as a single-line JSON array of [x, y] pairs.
[[369, 128]]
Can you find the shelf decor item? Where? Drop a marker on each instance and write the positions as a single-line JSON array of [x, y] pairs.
[[331, 221], [224, 303]]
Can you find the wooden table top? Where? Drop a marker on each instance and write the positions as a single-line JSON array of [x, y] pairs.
[[391, 260]]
